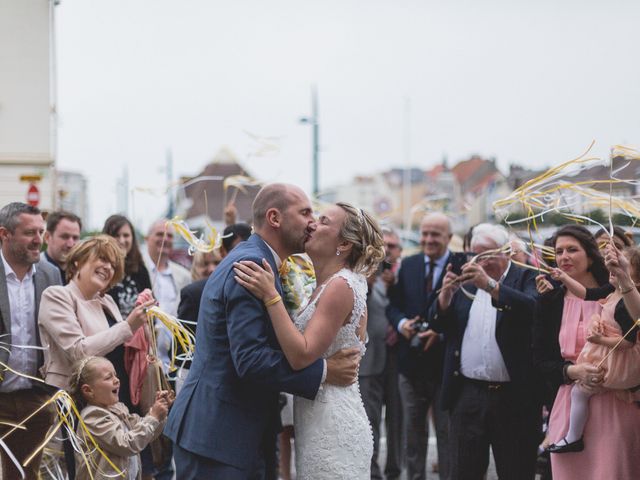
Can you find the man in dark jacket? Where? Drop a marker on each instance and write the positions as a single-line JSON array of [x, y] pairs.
[[420, 353], [378, 375], [488, 384]]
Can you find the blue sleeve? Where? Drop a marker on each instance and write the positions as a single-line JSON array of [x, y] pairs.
[[188, 308], [395, 308], [522, 298], [253, 358], [441, 320]]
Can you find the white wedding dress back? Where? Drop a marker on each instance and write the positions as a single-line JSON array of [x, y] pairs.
[[333, 434]]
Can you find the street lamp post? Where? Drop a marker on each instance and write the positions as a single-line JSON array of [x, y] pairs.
[[313, 120]]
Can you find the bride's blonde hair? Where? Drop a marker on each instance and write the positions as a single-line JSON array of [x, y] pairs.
[[363, 232]]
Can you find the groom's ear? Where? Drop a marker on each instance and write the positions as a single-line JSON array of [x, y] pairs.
[[274, 217]]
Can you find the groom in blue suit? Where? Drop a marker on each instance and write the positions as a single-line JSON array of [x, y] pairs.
[[226, 417]]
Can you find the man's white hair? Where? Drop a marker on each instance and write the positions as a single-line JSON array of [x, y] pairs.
[[518, 243], [487, 232]]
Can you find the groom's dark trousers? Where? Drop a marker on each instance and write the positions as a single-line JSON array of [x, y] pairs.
[[226, 415]]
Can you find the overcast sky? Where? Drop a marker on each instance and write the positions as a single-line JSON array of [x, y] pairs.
[[526, 82]]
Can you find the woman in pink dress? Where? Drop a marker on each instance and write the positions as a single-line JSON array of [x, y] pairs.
[[612, 431]]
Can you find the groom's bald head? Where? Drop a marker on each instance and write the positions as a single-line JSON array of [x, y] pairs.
[[277, 196], [283, 217]]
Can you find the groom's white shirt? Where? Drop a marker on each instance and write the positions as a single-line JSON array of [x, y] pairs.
[[278, 265]]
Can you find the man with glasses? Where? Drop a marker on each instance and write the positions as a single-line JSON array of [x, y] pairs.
[[378, 369], [420, 350], [489, 386]]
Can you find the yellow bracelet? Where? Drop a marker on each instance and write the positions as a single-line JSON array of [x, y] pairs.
[[273, 301]]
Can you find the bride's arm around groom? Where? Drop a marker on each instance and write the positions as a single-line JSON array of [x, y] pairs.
[[224, 421]]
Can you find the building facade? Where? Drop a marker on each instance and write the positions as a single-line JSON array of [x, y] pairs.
[[27, 103]]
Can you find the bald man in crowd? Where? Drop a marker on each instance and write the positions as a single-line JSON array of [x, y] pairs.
[[420, 350]]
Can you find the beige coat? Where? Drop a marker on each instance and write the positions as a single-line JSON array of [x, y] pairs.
[[74, 328], [120, 435]]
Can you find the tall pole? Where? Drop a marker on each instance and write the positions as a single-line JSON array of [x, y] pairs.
[[315, 140], [171, 206], [406, 177], [53, 106]]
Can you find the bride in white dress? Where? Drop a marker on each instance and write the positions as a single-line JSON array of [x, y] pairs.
[[333, 434]]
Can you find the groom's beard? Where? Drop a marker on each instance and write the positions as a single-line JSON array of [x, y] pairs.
[[294, 243]]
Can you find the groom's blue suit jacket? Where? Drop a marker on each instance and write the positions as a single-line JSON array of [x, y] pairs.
[[228, 406]]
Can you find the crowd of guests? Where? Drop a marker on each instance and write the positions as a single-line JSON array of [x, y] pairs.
[[75, 315], [492, 339], [479, 343]]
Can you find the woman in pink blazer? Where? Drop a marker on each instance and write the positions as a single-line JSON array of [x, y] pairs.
[[79, 320]]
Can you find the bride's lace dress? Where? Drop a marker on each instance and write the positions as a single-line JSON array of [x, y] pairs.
[[333, 435]]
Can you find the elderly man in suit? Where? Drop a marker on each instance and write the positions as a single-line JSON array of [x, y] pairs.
[[168, 278], [225, 420], [489, 385], [22, 280], [420, 353]]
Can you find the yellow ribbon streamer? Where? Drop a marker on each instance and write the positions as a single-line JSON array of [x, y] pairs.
[[196, 244], [180, 335]]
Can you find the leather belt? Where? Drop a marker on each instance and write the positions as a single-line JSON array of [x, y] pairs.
[[486, 384]]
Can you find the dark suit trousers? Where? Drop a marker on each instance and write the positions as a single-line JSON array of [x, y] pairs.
[[418, 394], [15, 407], [484, 417], [376, 391], [190, 466]]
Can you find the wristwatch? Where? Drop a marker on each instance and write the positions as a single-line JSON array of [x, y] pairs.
[[491, 285]]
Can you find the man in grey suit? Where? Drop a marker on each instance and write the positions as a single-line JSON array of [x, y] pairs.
[[22, 280], [379, 367]]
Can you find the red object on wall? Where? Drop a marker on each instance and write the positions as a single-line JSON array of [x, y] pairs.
[[33, 195]]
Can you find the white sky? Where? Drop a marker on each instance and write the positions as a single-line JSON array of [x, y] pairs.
[[527, 82]]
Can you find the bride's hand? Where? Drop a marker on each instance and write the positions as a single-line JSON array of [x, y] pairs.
[[259, 281]]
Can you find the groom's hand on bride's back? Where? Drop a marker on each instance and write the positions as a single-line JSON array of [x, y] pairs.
[[342, 367]]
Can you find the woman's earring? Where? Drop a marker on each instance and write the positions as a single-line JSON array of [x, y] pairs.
[[337, 252]]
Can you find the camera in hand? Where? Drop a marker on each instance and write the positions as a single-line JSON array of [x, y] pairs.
[[420, 326], [459, 260], [385, 265]]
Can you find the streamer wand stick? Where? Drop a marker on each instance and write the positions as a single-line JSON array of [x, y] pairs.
[[635, 324]]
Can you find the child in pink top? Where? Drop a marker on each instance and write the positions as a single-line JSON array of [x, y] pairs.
[[607, 331]]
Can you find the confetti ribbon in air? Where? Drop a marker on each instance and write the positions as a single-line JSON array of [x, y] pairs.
[[79, 435], [180, 336], [265, 145], [504, 250], [553, 191], [7, 347], [51, 464], [538, 196], [202, 243], [240, 182]]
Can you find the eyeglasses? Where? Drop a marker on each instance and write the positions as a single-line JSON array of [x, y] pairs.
[[392, 245]]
